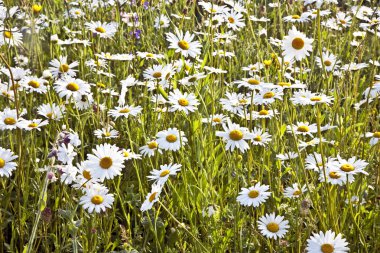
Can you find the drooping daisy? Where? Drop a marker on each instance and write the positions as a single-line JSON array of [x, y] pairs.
[[103, 30], [106, 163], [235, 136], [171, 139], [152, 197], [327, 243], [294, 191], [273, 226], [162, 175], [6, 162], [184, 44], [296, 45], [125, 111], [60, 67], [53, 111], [150, 148], [254, 195], [182, 102], [96, 198], [375, 137]]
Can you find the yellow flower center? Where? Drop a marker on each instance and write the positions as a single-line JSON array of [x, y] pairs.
[[164, 173], [126, 154], [107, 134], [297, 192], [183, 102], [149, 55], [253, 81], [105, 162], [34, 84], [258, 138], [2, 163], [316, 99], [376, 134], [86, 174], [236, 135], [152, 196], [217, 120], [100, 29], [231, 20], [268, 95], [33, 125], [283, 84], [152, 145], [183, 45], [296, 17], [273, 227], [77, 12], [9, 121], [303, 129], [347, 167], [298, 43], [253, 194], [64, 68], [157, 74], [72, 87], [8, 34], [334, 175], [263, 112], [124, 110], [342, 21], [327, 248], [171, 138], [327, 63], [49, 115], [97, 200]]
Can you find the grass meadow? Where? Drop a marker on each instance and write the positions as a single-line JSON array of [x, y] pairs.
[[189, 126]]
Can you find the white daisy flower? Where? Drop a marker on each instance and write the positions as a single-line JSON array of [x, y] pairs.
[[216, 119], [128, 155], [303, 128], [375, 137], [182, 102], [68, 173], [260, 137], [68, 87], [184, 44], [125, 111], [326, 243], [294, 191], [273, 226], [254, 195], [150, 148], [53, 111], [103, 30], [162, 175], [96, 198], [235, 136], [6, 162], [106, 133], [106, 163], [60, 67], [34, 84], [9, 119], [171, 139], [296, 45], [152, 197], [32, 124]]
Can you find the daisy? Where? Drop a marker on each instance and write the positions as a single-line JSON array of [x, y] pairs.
[[96, 198], [68, 173], [6, 162], [9, 119], [235, 102], [106, 133], [161, 22], [128, 155], [216, 119], [125, 111], [182, 102], [287, 156], [294, 191], [60, 67], [296, 45], [267, 96], [162, 175], [171, 139], [146, 55], [263, 114], [235, 20], [253, 68], [297, 18], [328, 61], [235, 136], [83, 179], [32, 124], [152, 197], [334, 176], [106, 163], [260, 137], [68, 87], [150, 148], [351, 166], [375, 137], [327, 243], [184, 43], [193, 79], [66, 154], [10, 37], [34, 84], [273, 226], [303, 128], [103, 30], [53, 111], [254, 195]]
